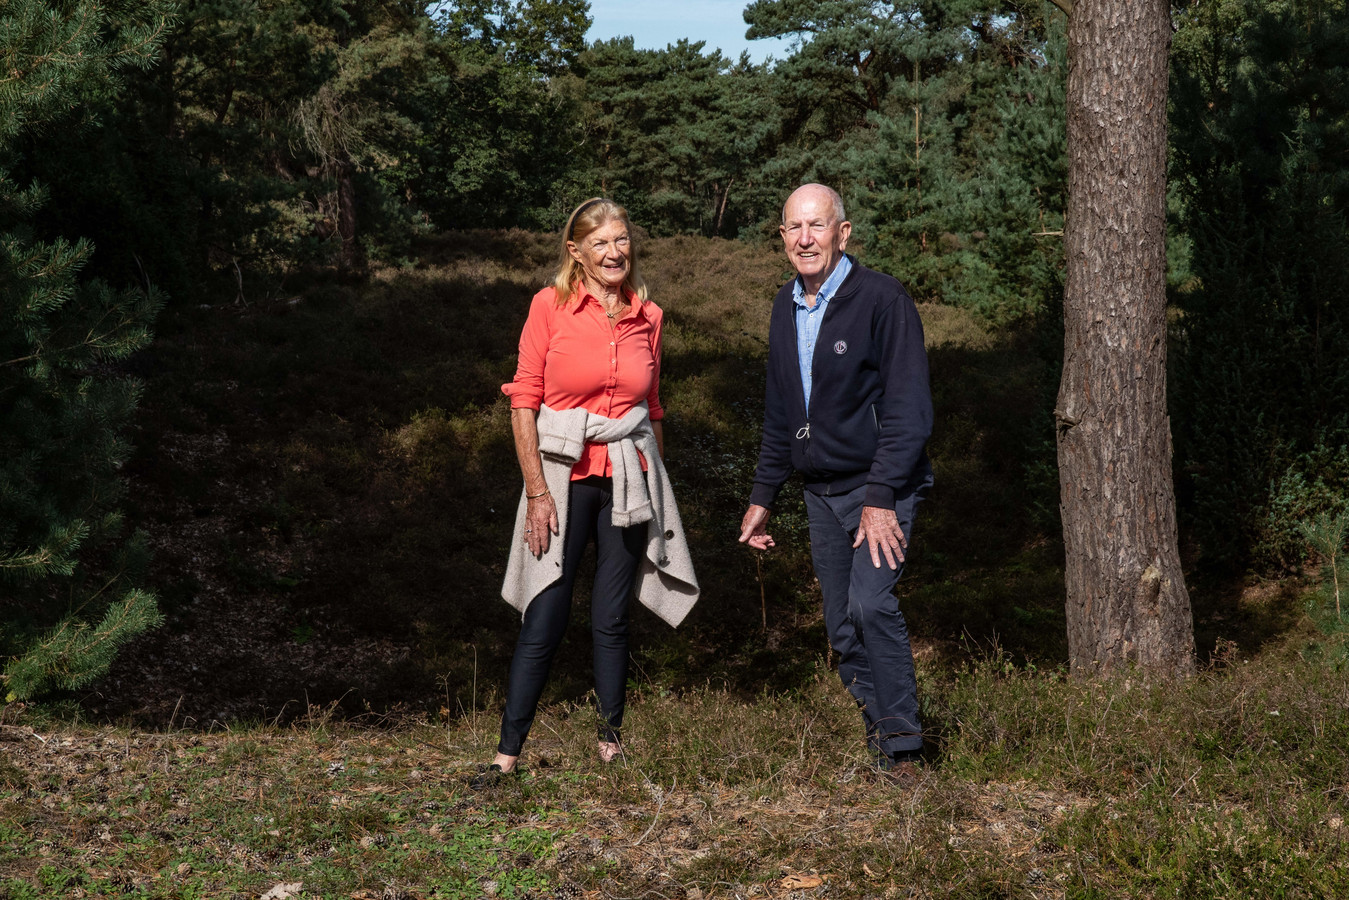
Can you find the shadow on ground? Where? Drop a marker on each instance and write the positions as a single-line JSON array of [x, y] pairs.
[[329, 482]]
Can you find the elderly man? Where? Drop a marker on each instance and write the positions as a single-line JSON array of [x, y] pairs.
[[848, 406]]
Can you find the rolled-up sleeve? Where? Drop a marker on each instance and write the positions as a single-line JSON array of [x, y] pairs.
[[526, 389]]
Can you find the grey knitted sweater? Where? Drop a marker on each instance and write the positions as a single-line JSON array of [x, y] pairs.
[[665, 581]]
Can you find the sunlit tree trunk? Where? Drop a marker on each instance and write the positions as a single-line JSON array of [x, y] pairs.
[[1127, 603]]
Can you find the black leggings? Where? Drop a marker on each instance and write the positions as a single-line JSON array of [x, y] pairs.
[[618, 551]]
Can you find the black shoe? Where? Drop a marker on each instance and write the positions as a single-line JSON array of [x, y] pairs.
[[490, 777]]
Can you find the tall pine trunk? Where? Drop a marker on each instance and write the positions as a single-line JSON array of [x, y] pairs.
[[350, 260], [1127, 602]]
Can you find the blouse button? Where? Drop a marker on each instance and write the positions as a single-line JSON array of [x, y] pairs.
[[669, 535]]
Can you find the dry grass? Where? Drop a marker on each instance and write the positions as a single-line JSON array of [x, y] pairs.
[[1230, 786]]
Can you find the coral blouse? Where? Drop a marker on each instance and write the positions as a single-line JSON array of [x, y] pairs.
[[570, 357]]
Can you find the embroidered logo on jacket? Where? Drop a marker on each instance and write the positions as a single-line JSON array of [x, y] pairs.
[[841, 347]]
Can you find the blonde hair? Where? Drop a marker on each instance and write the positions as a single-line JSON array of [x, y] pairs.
[[589, 216]]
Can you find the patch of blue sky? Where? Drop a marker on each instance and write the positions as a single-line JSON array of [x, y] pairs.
[[653, 25]]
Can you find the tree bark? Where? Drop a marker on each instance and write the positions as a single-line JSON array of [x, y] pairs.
[[1126, 598], [351, 261]]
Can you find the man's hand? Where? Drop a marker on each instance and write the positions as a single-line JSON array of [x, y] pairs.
[[880, 528], [753, 528]]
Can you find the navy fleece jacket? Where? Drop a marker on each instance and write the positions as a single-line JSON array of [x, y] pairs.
[[871, 408]]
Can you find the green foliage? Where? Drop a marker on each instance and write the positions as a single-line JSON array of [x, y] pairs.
[[1260, 143], [289, 133], [500, 123], [681, 136], [276, 106], [75, 652], [262, 143], [942, 123], [1314, 484], [850, 52], [1326, 534], [54, 56], [64, 399], [543, 35], [966, 170]]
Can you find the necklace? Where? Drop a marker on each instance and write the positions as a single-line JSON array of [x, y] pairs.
[[619, 306]]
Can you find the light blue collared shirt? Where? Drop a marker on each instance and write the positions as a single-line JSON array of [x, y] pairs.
[[808, 319]]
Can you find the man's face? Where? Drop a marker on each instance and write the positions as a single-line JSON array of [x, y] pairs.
[[814, 238]]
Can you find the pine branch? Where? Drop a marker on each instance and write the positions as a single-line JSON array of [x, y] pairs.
[[57, 557], [73, 654]]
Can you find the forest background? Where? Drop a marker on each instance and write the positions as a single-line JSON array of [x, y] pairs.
[[265, 262]]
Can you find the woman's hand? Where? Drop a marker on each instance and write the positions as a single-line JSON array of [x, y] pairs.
[[541, 513], [540, 524]]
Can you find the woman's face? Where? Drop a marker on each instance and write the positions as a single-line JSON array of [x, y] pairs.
[[604, 254]]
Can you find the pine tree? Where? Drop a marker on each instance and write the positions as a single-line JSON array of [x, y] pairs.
[[67, 593], [1326, 535], [502, 134], [942, 123], [1260, 150], [1127, 602], [358, 121], [680, 135]]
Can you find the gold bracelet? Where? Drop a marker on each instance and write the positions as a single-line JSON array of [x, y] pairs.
[[542, 493]]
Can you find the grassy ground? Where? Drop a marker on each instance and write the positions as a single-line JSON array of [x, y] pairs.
[[1230, 786], [328, 479]]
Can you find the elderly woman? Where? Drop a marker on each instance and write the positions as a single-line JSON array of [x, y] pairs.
[[586, 415]]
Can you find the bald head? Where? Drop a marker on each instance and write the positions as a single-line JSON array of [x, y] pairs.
[[820, 193], [814, 233]]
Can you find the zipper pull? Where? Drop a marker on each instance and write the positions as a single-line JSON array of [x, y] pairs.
[[804, 433]]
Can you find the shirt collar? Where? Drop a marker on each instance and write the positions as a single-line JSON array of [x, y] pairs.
[[830, 286], [584, 295]]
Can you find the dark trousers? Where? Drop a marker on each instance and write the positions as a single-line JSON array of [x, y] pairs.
[[866, 628], [618, 550]]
